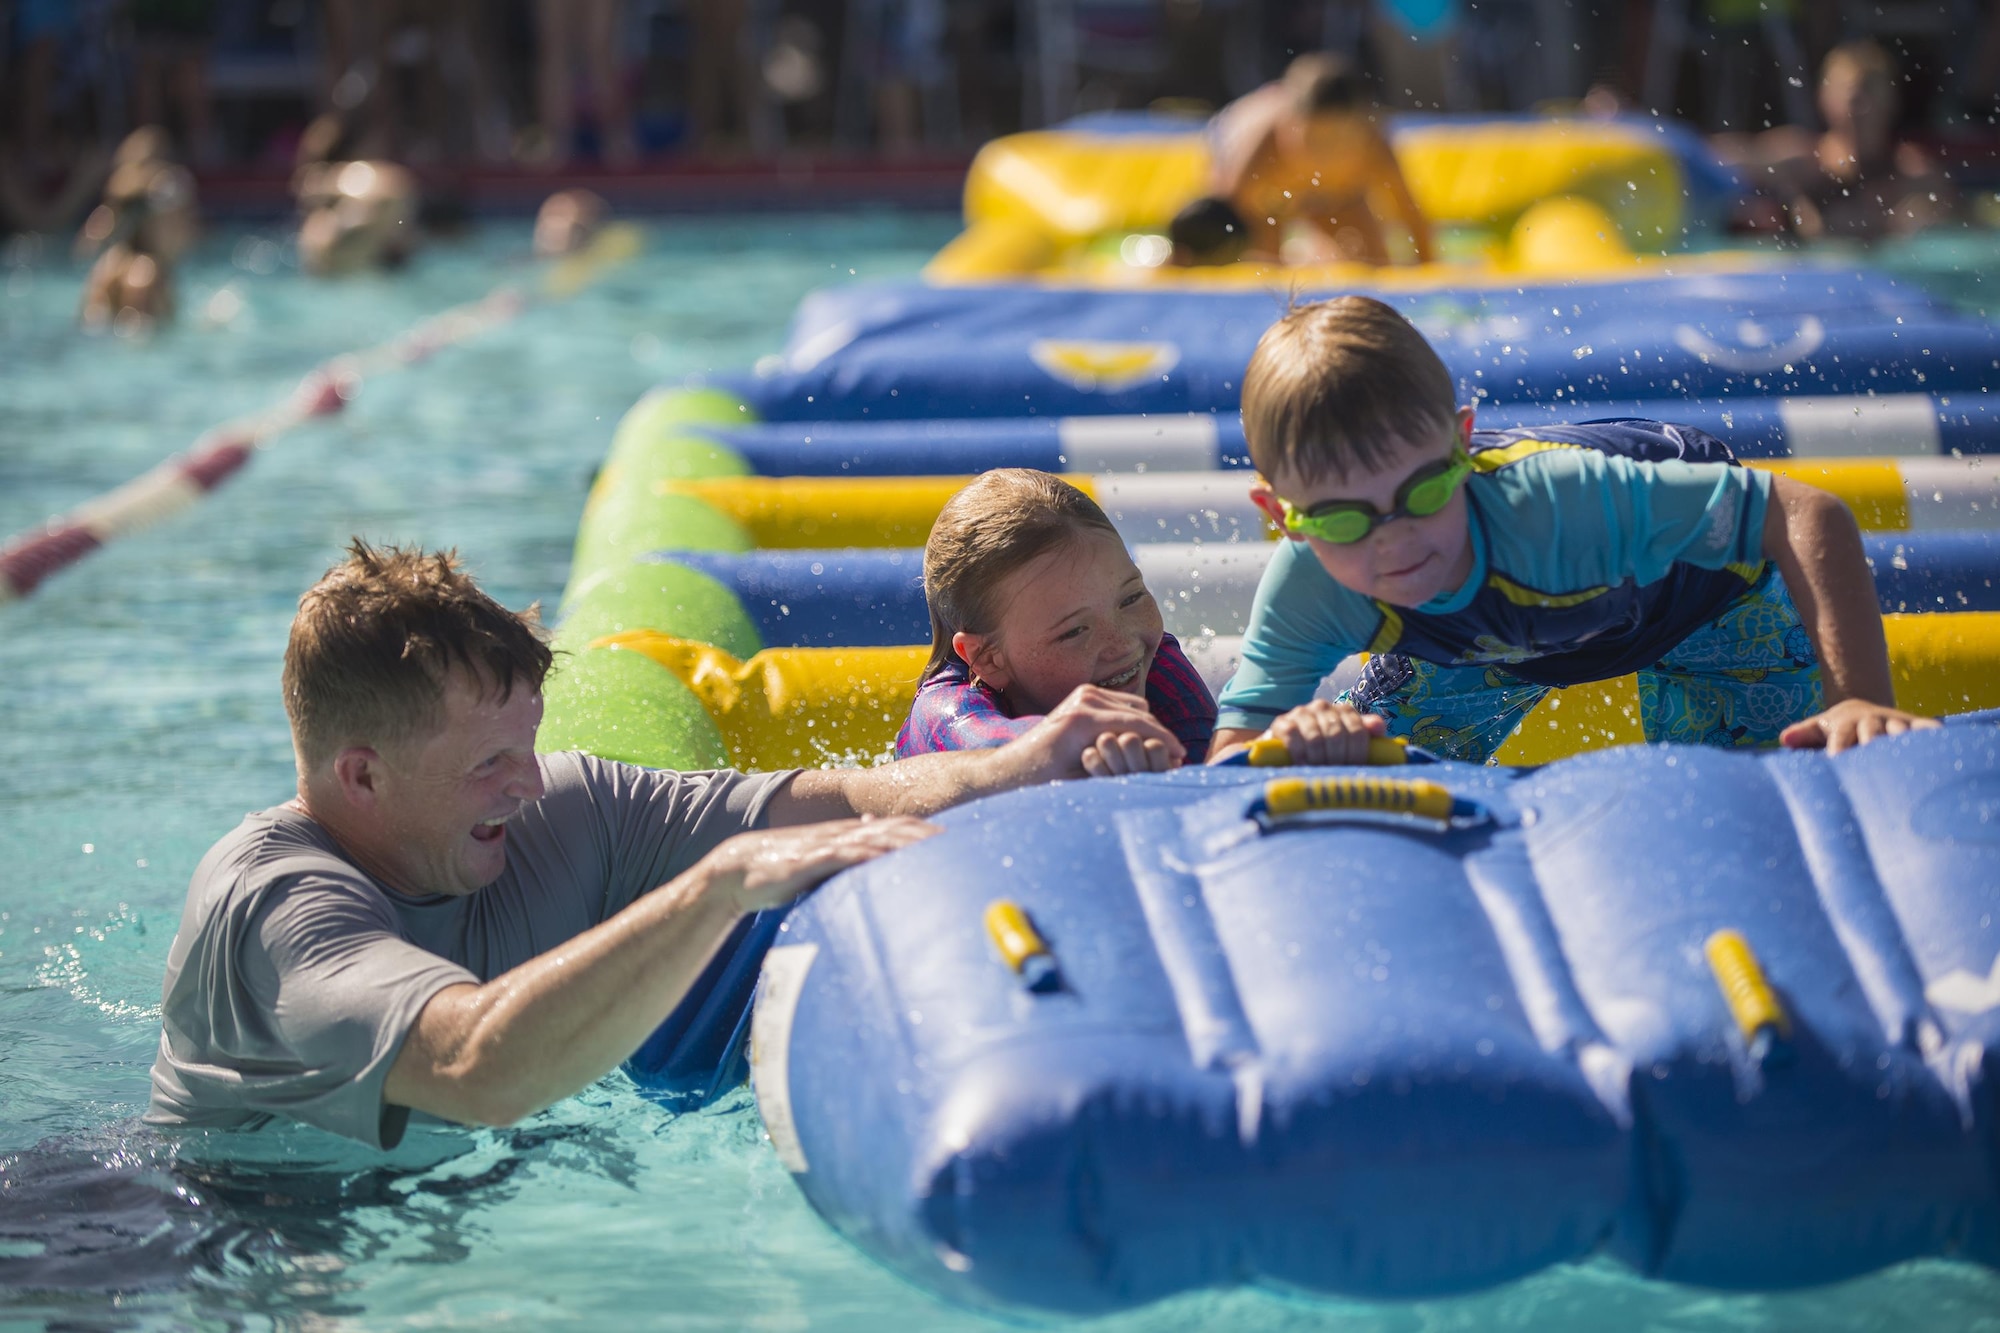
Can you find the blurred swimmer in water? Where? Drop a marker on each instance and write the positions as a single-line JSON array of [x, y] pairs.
[[130, 289], [568, 221], [355, 213], [1857, 180], [1304, 164], [145, 225], [146, 187]]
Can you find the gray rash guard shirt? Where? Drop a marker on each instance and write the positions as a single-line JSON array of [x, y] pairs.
[[296, 976]]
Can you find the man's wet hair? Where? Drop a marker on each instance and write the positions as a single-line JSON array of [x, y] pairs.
[[378, 638], [1208, 231]]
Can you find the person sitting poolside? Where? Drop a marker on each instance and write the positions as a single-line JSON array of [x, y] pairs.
[[1208, 232], [1303, 162], [1856, 180], [1034, 598], [1480, 570], [443, 920]]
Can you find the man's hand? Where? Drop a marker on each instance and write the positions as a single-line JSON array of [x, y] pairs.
[[756, 871], [1328, 733], [1849, 723], [1095, 732]]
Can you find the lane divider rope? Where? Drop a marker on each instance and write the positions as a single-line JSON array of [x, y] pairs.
[[30, 558]]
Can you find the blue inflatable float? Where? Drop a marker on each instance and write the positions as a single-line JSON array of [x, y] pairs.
[[875, 598], [904, 351], [1847, 425], [1726, 1017]]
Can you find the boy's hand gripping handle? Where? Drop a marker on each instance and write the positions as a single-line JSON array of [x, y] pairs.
[[1270, 752]]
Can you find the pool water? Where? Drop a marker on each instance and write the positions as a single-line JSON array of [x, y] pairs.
[[139, 692]]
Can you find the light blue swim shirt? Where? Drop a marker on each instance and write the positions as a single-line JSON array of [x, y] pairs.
[[1587, 564]]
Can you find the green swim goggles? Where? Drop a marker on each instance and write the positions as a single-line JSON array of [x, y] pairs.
[[1344, 522]]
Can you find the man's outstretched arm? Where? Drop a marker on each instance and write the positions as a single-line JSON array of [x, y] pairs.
[[1092, 733], [494, 1053]]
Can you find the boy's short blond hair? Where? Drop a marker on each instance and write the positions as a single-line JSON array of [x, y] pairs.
[[1342, 384]]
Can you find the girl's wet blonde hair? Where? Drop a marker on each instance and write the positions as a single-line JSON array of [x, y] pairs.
[[1004, 520]]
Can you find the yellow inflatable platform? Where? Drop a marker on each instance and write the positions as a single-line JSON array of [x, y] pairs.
[[1556, 196]]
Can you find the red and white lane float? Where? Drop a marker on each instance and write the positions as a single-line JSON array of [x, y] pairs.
[[31, 557]]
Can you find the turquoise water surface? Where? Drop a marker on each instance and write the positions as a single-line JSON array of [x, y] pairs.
[[140, 698]]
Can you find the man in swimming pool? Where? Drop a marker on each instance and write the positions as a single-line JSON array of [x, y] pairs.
[[444, 921]]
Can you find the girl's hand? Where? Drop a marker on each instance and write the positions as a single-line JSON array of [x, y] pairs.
[[1115, 753], [1850, 723], [1081, 735]]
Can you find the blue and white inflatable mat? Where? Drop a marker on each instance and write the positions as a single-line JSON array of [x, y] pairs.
[[1379, 1054]]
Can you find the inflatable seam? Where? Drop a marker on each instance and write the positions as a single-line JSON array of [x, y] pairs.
[[1190, 949], [1850, 893]]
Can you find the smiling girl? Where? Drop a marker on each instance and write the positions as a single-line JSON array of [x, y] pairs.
[[1033, 599]]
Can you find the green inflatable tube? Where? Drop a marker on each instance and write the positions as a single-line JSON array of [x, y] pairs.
[[625, 516], [618, 704], [671, 599]]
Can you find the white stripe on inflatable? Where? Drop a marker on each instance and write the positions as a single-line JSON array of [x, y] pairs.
[[1204, 589], [1893, 425], [1179, 506], [1945, 493], [138, 504], [1216, 657], [1188, 443]]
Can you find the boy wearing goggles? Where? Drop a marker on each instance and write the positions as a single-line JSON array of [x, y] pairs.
[[1481, 568]]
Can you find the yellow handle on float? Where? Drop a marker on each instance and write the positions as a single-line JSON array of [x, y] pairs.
[[1393, 796], [1021, 946], [1752, 1003], [1270, 752]]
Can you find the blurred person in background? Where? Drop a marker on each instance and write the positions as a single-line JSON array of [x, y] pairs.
[[1207, 232], [1304, 164], [48, 167], [722, 79], [573, 33], [146, 183], [171, 39], [567, 221], [414, 79], [1856, 180], [354, 212], [130, 289], [146, 224]]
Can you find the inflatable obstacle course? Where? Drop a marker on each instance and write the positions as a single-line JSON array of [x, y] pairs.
[[1394, 1033], [1725, 1018]]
